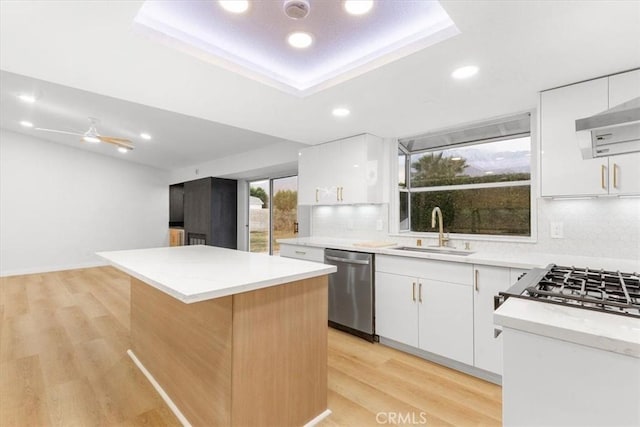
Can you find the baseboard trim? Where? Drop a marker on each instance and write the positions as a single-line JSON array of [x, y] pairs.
[[160, 390], [440, 360], [50, 269], [319, 418]]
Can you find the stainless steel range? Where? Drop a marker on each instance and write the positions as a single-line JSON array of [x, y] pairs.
[[606, 291]]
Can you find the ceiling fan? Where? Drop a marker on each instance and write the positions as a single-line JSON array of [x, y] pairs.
[[93, 136]]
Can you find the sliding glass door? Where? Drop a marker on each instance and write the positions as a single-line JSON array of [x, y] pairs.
[[285, 210], [272, 218]]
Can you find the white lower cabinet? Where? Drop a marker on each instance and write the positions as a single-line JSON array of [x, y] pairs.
[[446, 319], [488, 281], [431, 309], [306, 253], [397, 308]]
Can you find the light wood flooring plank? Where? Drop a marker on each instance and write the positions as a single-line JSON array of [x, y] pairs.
[[63, 342]]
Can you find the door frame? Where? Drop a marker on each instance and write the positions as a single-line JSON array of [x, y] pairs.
[[248, 206]]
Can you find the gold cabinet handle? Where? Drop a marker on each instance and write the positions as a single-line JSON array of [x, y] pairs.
[[603, 173], [615, 175], [420, 292], [316, 195], [341, 194], [475, 280], [414, 291]]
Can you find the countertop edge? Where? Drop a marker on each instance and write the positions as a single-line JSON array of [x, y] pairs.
[[509, 317], [527, 261], [323, 269]]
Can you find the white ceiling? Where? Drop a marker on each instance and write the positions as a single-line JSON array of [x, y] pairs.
[[177, 140], [521, 47], [255, 43]]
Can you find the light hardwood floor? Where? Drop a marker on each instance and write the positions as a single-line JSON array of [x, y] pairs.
[[63, 338]]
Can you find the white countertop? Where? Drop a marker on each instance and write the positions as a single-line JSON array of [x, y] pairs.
[[197, 273], [510, 259], [611, 332]]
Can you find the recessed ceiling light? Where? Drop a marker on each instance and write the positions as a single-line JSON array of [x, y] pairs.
[[27, 98], [145, 136], [358, 7], [91, 139], [465, 72], [123, 150], [300, 40], [26, 124], [234, 6], [341, 112]]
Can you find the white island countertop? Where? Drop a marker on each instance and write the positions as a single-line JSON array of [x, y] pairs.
[[198, 273], [605, 331]]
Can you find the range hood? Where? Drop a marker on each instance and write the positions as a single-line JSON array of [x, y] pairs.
[[615, 131]]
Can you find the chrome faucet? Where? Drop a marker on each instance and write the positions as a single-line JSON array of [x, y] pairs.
[[437, 212]]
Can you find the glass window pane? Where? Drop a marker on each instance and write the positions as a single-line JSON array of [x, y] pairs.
[[402, 170], [500, 161], [259, 219], [498, 211], [285, 210], [404, 210]]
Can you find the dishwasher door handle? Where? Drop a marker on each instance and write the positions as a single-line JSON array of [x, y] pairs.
[[347, 261]]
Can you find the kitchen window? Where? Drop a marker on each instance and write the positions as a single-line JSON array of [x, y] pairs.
[[480, 177]]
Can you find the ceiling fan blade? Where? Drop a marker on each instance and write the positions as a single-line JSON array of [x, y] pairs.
[[113, 138], [60, 131], [120, 142]]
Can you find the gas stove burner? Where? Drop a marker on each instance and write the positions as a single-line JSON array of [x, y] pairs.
[[601, 290]]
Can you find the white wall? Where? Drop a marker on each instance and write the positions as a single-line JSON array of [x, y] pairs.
[[276, 159], [59, 205]]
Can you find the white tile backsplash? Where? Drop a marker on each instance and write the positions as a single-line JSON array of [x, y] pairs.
[[350, 221], [602, 227]]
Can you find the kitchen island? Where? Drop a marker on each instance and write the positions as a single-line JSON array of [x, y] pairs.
[[230, 337]]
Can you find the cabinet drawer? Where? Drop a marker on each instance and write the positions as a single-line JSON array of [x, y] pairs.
[[444, 271], [302, 252]]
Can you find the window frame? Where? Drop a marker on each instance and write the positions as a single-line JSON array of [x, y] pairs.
[[532, 183]]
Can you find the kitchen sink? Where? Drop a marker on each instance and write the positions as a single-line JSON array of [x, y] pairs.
[[434, 250]]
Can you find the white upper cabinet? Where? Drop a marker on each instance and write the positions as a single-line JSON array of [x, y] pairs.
[[563, 170], [624, 170], [348, 171]]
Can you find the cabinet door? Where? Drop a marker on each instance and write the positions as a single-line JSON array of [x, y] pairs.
[[330, 164], [308, 175], [624, 87], [487, 349], [353, 164], [197, 208], [563, 170], [624, 170], [397, 308], [305, 253], [624, 174], [446, 319]]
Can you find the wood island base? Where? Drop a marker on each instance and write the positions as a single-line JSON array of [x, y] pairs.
[[257, 358]]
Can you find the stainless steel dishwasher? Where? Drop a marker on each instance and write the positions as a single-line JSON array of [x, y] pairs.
[[351, 295]]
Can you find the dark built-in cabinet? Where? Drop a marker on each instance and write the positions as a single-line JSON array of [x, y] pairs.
[[209, 211], [176, 205]]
